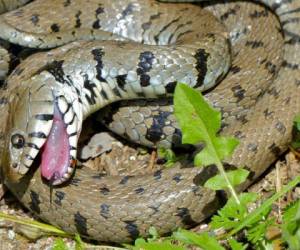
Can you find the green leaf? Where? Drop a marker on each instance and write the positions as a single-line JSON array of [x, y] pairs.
[[236, 245], [291, 226], [59, 244], [79, 245], [264, 208], [258, 230], [231, 215], [297, 122], [236, 177], [168, 155], [204, 240], [200, 123]]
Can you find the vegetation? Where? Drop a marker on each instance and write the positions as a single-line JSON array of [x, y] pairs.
[[240, 227]]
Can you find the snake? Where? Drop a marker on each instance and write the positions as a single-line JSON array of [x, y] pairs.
[[49, 94]]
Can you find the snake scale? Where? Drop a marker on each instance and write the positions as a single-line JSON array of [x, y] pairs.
[[120, 208]]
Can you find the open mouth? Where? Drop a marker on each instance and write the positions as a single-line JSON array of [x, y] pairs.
[[57, 163]]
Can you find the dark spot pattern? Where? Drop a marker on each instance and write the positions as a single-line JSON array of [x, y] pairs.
[[90, 86], [238, 92], [185, 216], [104, 190], [98, 53], [201, 65], [59, 197], [177, 177], [254, 44], [96, 24], [145, 65], [229, 12], [34, 202], [275, 150], [121, 81], [252, 147], [125, 180], [139, 190], [235, 69], [104, 211], [157, 174], [80, 223], [35, 19], [155, 132], [132, 229], [55, 27], [170, 87], [55, 68], [258, 14], [77, 18]]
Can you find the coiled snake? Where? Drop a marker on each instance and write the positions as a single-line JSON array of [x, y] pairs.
[[54, 91]]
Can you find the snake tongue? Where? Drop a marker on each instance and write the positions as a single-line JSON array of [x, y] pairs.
[[55, 158]]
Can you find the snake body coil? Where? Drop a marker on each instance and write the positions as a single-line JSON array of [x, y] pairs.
[[77, 79]]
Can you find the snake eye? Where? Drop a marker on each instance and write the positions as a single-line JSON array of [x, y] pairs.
[[18, 141]]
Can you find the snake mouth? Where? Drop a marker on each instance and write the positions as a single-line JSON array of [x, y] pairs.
[[57, 160]]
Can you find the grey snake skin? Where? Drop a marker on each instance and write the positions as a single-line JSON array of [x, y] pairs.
[[118, 209]]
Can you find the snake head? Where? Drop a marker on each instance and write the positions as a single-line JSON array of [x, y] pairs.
[[37, 133]]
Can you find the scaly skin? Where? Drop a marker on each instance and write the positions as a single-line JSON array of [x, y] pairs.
[[121, 208]]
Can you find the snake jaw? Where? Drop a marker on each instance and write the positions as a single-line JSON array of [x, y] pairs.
[[58, 156]]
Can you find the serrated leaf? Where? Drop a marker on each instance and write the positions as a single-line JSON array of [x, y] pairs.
[[200, 123], [291, 226], [236, 177], [203, 240], [236, 245], [232, 213], [258, 230]]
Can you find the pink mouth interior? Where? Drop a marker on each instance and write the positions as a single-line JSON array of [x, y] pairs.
[[55, 158]]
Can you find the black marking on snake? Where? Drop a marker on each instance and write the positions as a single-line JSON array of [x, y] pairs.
[[201, 65], [271, 67], [292, 66], [239, 135], [80, 223], [121, 81], [290, 12], [203, 176], [177, 177], [254, 44], [280, 127], [176, 137], [55, 27], [55, 68], [184, 214], [98, 53], [90, 86], [99, 10], [155, 208], [258, 14], [35, 19], [40, 135], [35, 202], [104, 211], [132, 228], [75, 181], [139, 190], [103, 94], [290, 20], [229, 12], [170, 87], [72, 120], [104, 190], [235, 69], [3, 100], [156, 37], [157, 175], [77, 18], [43, 117], [268, 113], [155, 132], [32, 145], [275, 150], [294, 37], [67, 3], [238, 92], [127, 11], [125, 179], [116, 92], [59, 197], [73, 148], [145, 65], [252, 147]]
